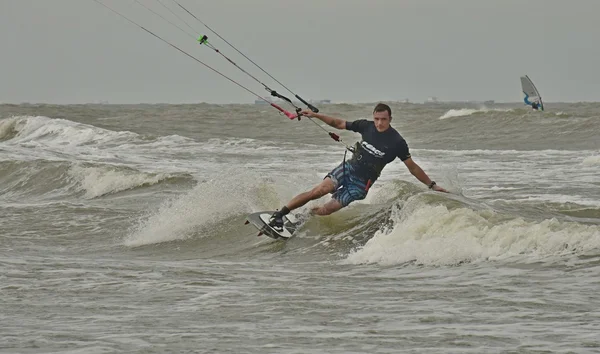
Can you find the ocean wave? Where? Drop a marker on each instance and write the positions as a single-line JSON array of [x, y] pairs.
[[435, 234], [42, 179], [56, 131], [98, 181]]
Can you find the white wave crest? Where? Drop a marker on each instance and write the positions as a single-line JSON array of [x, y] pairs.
[[59, 132], [463, 112], [98, 181], [435, 235], [591, 161]]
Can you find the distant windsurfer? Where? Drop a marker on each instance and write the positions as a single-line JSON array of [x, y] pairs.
[[351, 180], [534, 105], [532, 95]]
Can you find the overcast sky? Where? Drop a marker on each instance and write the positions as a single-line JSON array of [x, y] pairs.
[[76, 51]]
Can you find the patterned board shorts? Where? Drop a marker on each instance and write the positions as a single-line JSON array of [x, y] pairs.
[[348, 187]]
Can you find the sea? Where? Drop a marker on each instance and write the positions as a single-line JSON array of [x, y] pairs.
[[122, 231]]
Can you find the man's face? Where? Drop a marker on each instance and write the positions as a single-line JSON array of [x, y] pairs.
[[382, 120]]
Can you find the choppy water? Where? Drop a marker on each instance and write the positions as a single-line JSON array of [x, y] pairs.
[[122, 231]]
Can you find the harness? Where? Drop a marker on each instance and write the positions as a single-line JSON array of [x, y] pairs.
[[366, 167]]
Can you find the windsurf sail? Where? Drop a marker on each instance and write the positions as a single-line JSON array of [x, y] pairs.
[[532, 95]]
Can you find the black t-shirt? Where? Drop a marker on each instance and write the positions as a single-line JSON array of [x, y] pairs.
[[376, 149]]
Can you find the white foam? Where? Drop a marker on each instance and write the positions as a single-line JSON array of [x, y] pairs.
[[233, 193], [463, 112], [177, 219], [557, 198], [7, 126], [496, 188], [459, 113], [530, 154], [435, 235], [591, 161]]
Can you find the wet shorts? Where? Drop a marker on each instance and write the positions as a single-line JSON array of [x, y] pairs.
[[348, 187]]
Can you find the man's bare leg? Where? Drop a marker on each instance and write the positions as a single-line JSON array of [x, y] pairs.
[[328, 208], [326, 186]]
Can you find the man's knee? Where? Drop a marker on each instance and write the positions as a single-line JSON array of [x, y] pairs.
[[321, 190]]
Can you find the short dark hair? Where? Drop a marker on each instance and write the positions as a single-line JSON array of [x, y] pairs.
[[382, 107]]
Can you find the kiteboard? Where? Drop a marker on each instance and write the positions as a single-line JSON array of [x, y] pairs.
[[260, 220]]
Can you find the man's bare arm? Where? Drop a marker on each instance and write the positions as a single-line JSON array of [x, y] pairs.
[[418, 172], [335, 122]]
